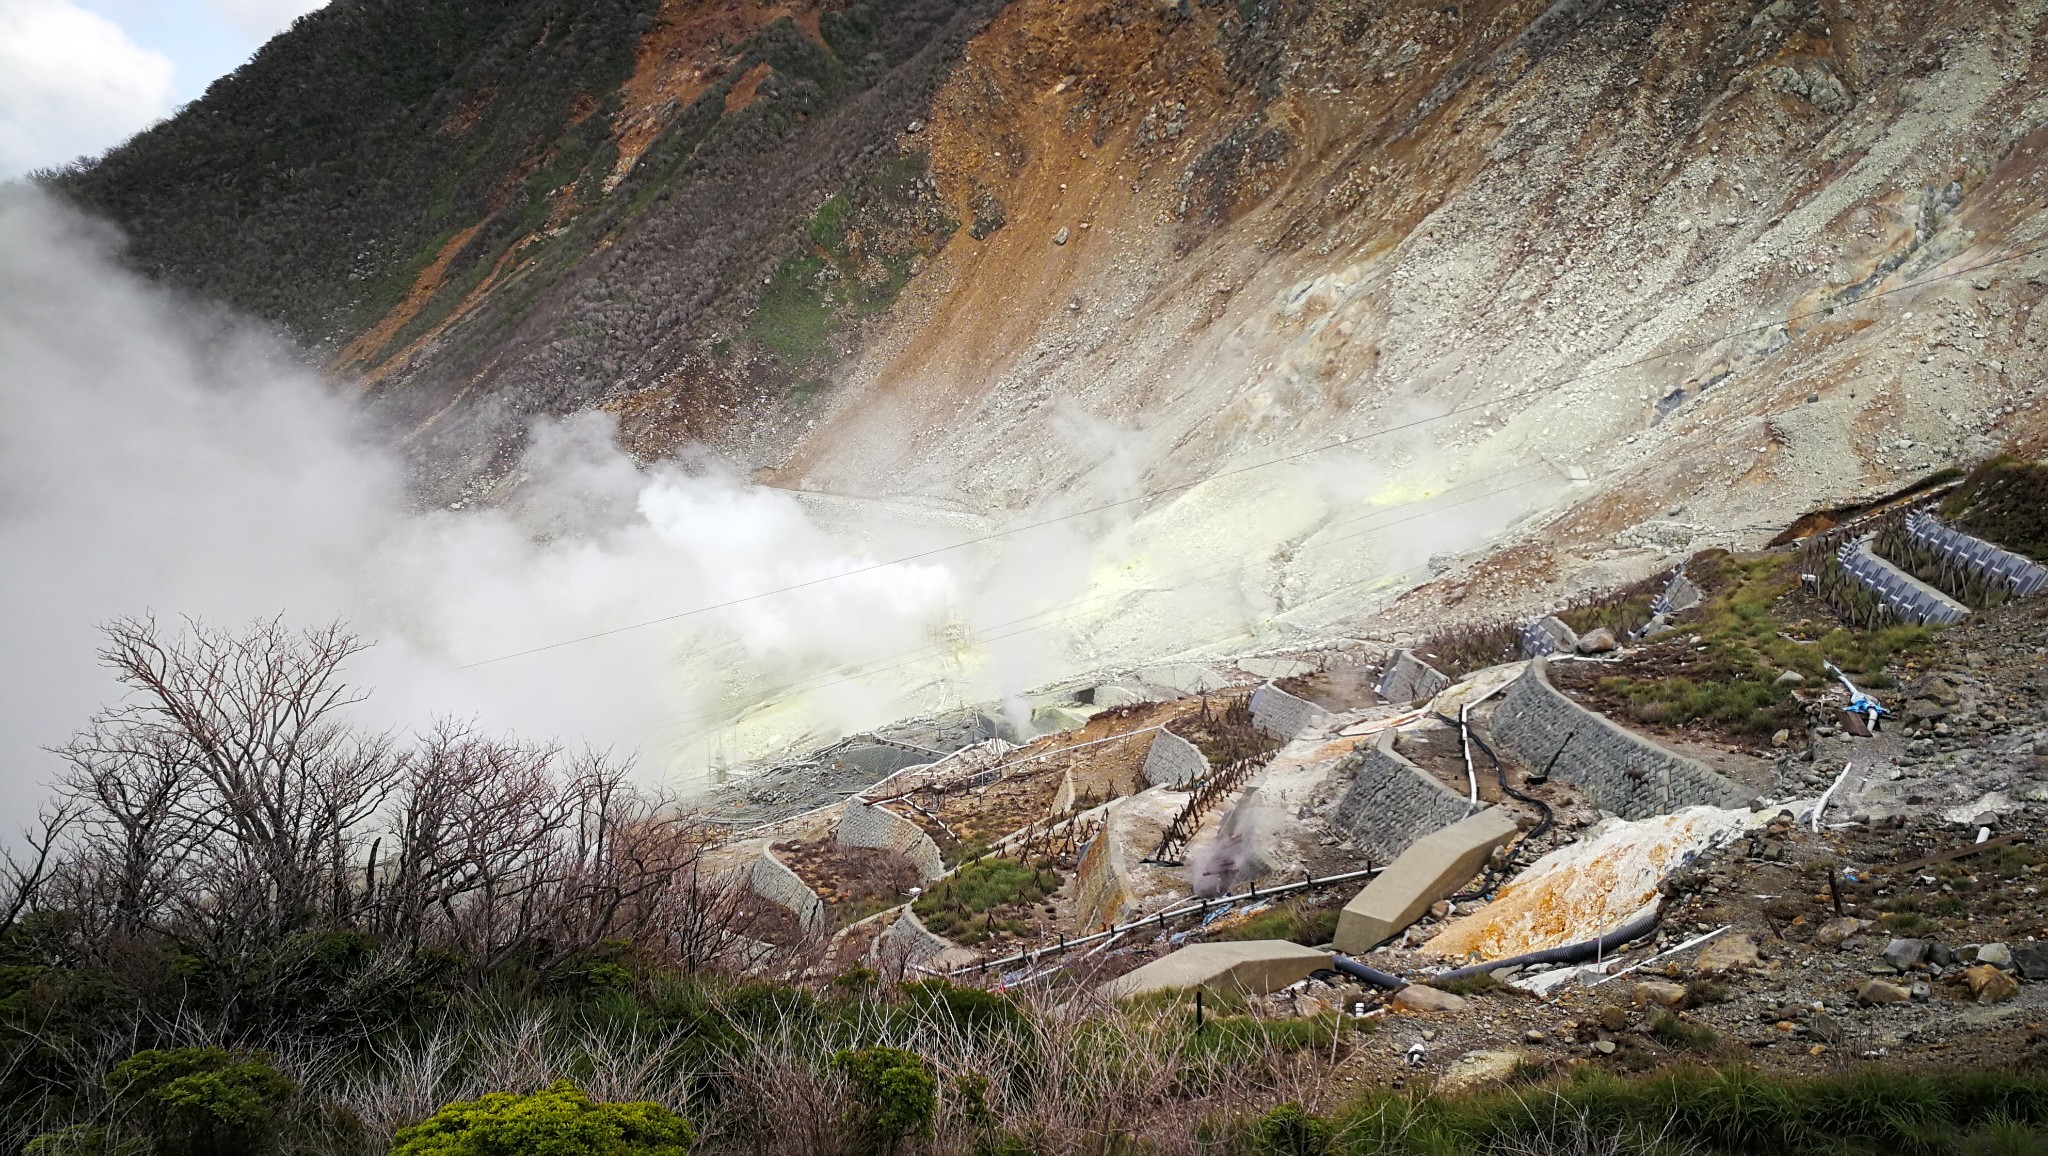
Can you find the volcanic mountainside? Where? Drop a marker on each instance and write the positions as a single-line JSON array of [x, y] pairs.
[[1679, 266]]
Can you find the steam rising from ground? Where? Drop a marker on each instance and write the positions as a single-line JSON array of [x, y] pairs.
[[158, 457]]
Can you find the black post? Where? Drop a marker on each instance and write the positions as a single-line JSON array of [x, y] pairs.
[[1198, 1010]]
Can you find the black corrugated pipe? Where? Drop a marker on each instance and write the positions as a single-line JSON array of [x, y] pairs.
[[1371, 975], [1599, 948]]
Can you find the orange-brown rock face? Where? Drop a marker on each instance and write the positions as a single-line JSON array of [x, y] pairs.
[[1701, 264]]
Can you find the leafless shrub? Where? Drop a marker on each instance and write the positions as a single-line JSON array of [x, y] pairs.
[[228, 806]]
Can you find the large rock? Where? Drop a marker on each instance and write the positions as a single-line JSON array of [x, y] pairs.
[[1990, 985], [1244, 967], [1422, 997], [1432, 867], [2031, 959], [1840, 930], [1474, 1069], [1904, 954], [1730, 953], [1599, 640], [1660, 993], [1877, 992]]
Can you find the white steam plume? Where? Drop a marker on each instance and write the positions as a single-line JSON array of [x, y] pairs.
[[155, 456]]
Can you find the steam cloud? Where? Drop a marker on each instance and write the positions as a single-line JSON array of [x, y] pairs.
[[159, 457]]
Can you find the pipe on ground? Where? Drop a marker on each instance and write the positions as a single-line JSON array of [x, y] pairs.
[[1598, 948], [1371, 975]]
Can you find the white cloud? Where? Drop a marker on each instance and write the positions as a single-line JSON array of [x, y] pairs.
[[71, 83], [262, 19]]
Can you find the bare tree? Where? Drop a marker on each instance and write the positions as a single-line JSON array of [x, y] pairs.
[[228, 805]]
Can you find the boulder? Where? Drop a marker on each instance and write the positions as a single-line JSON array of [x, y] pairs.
[[1599, 640], [1730, 953], [1990, 985], [1995, 954], [1877, 992], [2030, 958], [1840, 930], [1422, 997], [1479, 1067], [1904, 954], [1790, 678], [1652, 992]]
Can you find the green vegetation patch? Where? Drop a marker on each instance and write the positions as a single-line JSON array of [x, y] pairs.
[[2005, 500], [1682, 1110], [1294, 922], [859, 249], [559, 1120], [1731, 679], [971, 904]]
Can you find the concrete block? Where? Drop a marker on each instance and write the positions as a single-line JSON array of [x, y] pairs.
[[1245, 967], [1432, 867]]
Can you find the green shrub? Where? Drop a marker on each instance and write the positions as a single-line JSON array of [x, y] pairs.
[[1291, 1130], [1683, 1034], [895, 1095], [557, 1121], [206, 1101], [966, 1007], [958, 907], [1289, 921]]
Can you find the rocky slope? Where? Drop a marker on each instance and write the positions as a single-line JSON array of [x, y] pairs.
[[1365, 313]]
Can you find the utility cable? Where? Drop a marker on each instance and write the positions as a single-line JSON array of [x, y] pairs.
[[1162, 491], [911, 657]]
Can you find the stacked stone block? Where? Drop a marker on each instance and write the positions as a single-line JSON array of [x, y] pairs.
[[1618, 770], [1172, 761], [772, 880], [1282, 715], [862, 824], [1391, 802]]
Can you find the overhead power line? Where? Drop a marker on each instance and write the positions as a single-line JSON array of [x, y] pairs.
[[1341, 443], [1070, 609]]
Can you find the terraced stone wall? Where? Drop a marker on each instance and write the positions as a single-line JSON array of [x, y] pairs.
[[862, 824], [772, 880], [1172, 761], [1282, 715], [1391, 802], [1619, 770]]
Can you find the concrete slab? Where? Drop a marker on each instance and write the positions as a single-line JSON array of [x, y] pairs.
[[1246, 967], [1432, 867]]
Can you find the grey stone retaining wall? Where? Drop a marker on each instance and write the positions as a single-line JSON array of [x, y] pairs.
[[1102, 885], [772, 880], [1282, 715], [1391, 802], [1172, 761], [863, 824], [909, 941], [1409, 678], [1618, 770]]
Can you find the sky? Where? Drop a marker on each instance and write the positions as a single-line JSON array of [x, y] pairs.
[[80, 76]]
